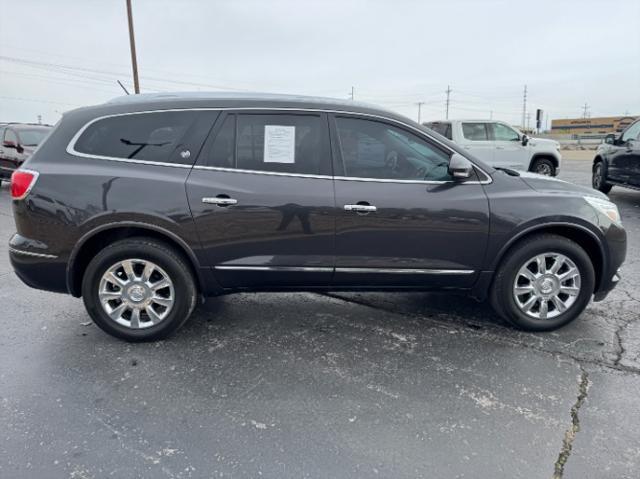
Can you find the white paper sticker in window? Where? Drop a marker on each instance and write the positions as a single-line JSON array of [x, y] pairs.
[[279, 144]]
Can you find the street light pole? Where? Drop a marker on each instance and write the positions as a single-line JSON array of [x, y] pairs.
[[132, 42]]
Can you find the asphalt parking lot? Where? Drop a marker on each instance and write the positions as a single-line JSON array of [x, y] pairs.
[[315, 385]]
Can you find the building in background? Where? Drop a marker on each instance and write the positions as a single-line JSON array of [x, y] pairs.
[[590, 128]]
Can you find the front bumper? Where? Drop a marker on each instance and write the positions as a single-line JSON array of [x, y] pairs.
[[607, 286]]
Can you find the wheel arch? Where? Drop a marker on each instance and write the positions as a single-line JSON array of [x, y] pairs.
[[584, 237], [98, 238]]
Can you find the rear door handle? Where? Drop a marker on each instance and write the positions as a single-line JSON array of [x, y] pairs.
[[360, 208], [220, 201]]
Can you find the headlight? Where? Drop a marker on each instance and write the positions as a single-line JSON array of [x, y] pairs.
[[605, 207]]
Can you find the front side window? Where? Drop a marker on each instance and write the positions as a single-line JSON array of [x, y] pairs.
[[632, 133], [282, 143], [504, 133], [475, 131], [372, 149], [143, 136]]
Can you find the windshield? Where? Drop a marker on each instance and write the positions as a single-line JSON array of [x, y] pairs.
[[32, 137]]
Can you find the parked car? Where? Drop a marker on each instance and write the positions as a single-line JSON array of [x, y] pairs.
[[499, 144], [617, 160], [145, 204], [19, 140]]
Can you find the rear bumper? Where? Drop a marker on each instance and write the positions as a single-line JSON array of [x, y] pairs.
[[37, 269]]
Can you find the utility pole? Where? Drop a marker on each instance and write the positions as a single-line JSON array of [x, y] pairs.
[[132, 42], [420, 103], [528, 120], [585, 110], [352, 93], [448, 92], [39, 119], [524, 106]]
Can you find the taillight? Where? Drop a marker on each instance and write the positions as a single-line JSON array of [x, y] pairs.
[[21, 183]]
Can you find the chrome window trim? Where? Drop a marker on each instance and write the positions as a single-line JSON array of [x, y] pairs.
[[258, 172], [313, 269], [29, 253], [338, 178], [72, 151]]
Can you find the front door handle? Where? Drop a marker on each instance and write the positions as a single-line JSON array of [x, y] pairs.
[[220, 201], [360, 208]]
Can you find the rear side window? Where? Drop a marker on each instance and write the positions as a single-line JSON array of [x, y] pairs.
[[282, 143], [475, 131], [143, 136]]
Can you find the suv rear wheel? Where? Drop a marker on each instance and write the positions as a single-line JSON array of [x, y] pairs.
[[545, 282], [139, 289]]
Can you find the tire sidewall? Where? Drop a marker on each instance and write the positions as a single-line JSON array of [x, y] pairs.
[[545, 161], [546, 245], [183, 285]]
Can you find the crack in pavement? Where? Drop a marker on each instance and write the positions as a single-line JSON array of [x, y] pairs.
[[574, 427], [476, 330]]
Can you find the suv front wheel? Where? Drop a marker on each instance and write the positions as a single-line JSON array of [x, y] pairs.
[[543, 166], [545, 282], [599, 178], [139, 289]]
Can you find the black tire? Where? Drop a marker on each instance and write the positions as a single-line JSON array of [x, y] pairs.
[[502, 292], [160, 254], [543, 166], [599, 178]]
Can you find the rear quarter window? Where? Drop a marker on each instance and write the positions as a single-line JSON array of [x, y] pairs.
[[443, 128], [140, 136]]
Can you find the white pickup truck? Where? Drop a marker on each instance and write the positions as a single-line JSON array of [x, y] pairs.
[[499, 144]]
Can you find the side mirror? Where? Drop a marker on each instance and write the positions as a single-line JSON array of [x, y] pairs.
[[459, 167], [610, 139], [9, 144], [525, 140]]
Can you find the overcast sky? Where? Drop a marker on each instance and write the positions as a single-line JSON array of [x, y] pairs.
[[56, 55]]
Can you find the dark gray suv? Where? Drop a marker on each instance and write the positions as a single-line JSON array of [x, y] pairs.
[[147, 203]]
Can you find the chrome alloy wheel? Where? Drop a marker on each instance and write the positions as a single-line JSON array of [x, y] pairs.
[[546, 285], [136, 293]]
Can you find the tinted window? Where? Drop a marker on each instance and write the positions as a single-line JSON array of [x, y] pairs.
[[632, 133], [443, 128], [475, 131], [146, 136], [221, 153], [504, 133], [371, 149], [294, 144]]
